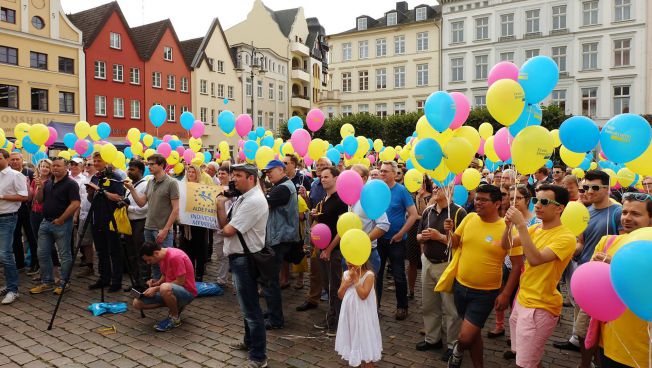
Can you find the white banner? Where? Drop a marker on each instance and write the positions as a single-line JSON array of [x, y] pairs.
[[197, 205]]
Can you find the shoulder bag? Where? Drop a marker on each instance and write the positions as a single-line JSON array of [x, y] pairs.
[[263, 265]]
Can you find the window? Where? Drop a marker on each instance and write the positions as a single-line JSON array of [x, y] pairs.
[[558, 17], [399, 45], [212, 116], [118, 108], [559, 98], [203, 86], [479, 100], [481, 67], [529, 54], [249, 87], [346, 51], [421, 13], [532, 21], [260, 118], [590, 13], [381, 78], [9, 15], [171, 85], [507, 56], [172, 113], [363, 49], [39, 99], [66, 65], [347, 110], [482, 28], [270, 121], [67, 102], [156, 79], [100, 105], [203, 114], [118, 73], [229, 92], [622, 10], [135, 109], [422, 41], [270, 91], [38, 22], [399, 108], [363, 80], [622, 52], [8, 55], [115, 41], [399, 77], [8, 96], [589, 101], [362, 24], [457, 31], [559, 56], [363, 108], [381, 110], [38, 60], [392, 19], [590, 56], [420, 105], [212, 89], [621, 99], [134, 75], [184, 109], [220, 66], [507, 25], [167, 54], [457, 69], [422, 75], [281, 118], [346, 82], [184, 84], [259, 89], [281, 93], [220, 91], [381, 47]]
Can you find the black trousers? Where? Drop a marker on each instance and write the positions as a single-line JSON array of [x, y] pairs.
[[195, 248], [138, 268], [24, 226], [109, 254]]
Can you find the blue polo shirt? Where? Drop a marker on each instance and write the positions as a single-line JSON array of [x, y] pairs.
[[397, 211]]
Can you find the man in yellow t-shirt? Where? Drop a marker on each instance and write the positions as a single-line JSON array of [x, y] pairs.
[[628, 330], [477, 287], [548, 248]]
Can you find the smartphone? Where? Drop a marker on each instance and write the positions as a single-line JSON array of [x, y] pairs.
[[135, 294]]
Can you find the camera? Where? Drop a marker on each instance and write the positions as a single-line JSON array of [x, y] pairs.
[[232, 191]]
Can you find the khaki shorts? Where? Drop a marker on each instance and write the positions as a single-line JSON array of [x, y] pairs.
[[582, 324]]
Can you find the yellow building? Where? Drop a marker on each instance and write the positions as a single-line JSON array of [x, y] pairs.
[[41, 65]]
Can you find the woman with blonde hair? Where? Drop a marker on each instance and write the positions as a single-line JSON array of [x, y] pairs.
[[194, 239]]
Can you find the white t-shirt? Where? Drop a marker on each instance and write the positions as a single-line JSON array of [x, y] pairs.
[[12, 182], [249, 216]]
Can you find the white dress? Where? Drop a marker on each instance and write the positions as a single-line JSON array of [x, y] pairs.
[[358, 337]]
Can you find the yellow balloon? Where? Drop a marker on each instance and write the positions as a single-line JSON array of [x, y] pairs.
[[470, 134], [316, 149], [229, 134], [223, 146], [404, 154], [579, 173], [644, 233], [424, 129], [137, 148], [120, 161], [93, 133], [505, 101], [486, 130], [347, 130], [148, 140], [575, 217], [642, 165], [594, 165], [555, 137], [471, 178], [173, 159], [531, 149], [263, 156], [198, 160], [356, 247], [3, 138], [82, 129], [489, 150], [277, 144], [108, 152], [287, 149], [195, 144], [148, 152], [626, 177], [365, 161], [388, 154], [570, 158], [348, 221], [440, 173], [64, 154], [21, 130], [39, 134], [133, 135], [413, 180], [178, 168], [613, 177], [378, 145], [459, 154]]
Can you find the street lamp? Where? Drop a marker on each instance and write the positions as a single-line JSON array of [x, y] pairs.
[[256, 68]]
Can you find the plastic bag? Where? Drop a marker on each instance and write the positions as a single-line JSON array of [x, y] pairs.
[[208, 289], [99, 309]]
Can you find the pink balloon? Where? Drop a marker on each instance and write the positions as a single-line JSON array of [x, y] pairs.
[[167, 138], [242, 156], [594, 293], [481, 148], [300, 140], [372, 159], [308, 160], [180, 150], [315, 119], [188, 155], [502, 143], [320, 235], [241, 143], [53, 137], [197, 129], [243, 124], [503, 70], [81, 146], [349, 186], [458, 179], [462, 109], [164, 149]]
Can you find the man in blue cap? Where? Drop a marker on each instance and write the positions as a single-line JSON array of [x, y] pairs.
[[282, 232]]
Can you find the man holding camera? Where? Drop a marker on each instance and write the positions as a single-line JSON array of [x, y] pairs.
[[247, 217]]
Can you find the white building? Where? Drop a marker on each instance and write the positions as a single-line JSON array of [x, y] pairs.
[[599, 45]]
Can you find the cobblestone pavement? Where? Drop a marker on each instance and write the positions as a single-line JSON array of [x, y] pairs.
[[209, 324]]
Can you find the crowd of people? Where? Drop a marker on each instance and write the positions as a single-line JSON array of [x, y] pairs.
[[505, 249]]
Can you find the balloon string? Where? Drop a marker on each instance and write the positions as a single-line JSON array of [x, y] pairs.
[[623, 344]]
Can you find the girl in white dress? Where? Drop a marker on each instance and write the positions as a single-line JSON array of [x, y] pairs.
[[358, 339]]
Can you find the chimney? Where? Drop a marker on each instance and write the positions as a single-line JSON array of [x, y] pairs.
[[402, 6]]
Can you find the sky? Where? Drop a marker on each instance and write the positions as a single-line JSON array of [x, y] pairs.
[[193, 18]]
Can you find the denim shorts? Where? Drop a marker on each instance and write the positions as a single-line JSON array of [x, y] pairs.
[[184, 297], [474, 305]]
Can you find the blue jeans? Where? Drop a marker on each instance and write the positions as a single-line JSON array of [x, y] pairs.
[[246, 290], [396, 253], [48, 235], [168, 242], [374, 259], [272, 292], [7, 226]]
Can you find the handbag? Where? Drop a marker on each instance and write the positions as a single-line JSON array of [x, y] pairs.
[[121, 221], [263, 265], [296, 254], [445, 282], [593, 332]]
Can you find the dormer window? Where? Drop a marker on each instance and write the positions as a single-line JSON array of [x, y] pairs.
[[421, 13], [392, 19], [362, 24]]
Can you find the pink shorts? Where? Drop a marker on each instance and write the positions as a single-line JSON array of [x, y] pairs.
[[530, 328]]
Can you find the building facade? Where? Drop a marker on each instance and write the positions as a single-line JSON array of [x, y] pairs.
[[384, 66], [599, 46], [41, 65]]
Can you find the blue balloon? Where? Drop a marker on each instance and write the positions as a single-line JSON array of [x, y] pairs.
[[333, 155], [250, 148], [226, 121], [538, 77], [260, 132], [38, 156], [579, 134], [142, 135], [226, 101], [408, 139], [625, 137], [428, 153], [549, 164], [375, 198], [440, 110], [187, 120], [90, 149], [69, 140], [531, 115], [490, 165], [630, 272], [408, 164], [103, 130], [207, 157], [350, 144], [460, 195], [295, 123], [128, 153], [339, 148], [157, 115], [29, 146], [146, 172], [371, 145], [252, 136], [585, 164], [174, 143], [530, 180], [267, 141]]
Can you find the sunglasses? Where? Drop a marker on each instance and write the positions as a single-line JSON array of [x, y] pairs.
[[557, 172], [640, 197], [594, 188], [545, 201]]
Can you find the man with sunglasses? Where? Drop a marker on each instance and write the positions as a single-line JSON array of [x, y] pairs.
[[548, 248], [558, 174]]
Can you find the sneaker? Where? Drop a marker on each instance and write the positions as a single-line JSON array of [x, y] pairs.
[[239, 345], [3, 291], [255, 364], [33, 271], [59, 289], [168, 324], [401, 314], [331, 332], [10, 297], [455, 361], [447, 355], [270, 326], [324, 296], [322, 325], [41, 288]]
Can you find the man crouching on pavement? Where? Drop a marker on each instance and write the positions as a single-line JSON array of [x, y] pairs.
[[174, 290]]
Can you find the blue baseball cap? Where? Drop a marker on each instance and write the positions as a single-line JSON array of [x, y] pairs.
[[272, 164]]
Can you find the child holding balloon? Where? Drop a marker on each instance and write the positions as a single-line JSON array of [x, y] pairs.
[[358, 338]]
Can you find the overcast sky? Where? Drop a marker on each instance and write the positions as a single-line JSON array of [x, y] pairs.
[[191, 18]]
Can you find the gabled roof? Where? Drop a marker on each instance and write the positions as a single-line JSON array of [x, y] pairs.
[[405, 16], [195, 50], [148, 36], [91, 21], [284, 19], [189, 49]]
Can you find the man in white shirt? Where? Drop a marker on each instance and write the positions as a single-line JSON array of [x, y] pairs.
[[13, 191], [137, 215]]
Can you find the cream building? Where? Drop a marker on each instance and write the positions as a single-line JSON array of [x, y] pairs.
[[385, 66], [41, 65]]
